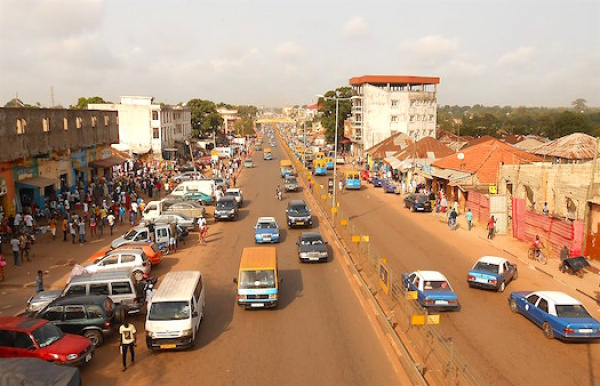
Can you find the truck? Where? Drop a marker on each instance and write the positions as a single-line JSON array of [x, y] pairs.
[[188, 208], [204, 185]]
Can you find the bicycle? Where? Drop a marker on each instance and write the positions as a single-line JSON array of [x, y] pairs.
[[537, 254]]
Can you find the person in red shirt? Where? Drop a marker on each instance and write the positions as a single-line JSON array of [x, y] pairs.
[[490, 226]]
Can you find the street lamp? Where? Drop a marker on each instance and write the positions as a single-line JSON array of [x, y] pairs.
[[337, 104]]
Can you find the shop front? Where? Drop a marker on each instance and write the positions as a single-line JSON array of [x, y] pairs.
[[7, 191], [80, 169]]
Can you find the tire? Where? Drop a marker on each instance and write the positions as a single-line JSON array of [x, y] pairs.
[[542, 258], [94, 336], [502, 287], [513, 306], [547, 328]]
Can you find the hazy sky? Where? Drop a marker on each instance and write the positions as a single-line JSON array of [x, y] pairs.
[[278, 52]]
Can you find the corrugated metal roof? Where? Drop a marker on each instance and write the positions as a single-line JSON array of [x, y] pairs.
[[394, 143], [577, 146]]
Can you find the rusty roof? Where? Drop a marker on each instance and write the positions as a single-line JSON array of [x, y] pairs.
[[395, 143], [484, 159], [426, 148], [577, 146], [393, 79]]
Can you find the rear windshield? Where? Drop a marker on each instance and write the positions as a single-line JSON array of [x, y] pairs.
[[169, 311], [257, 279], [481, 266], [436, 286], [572, 311]]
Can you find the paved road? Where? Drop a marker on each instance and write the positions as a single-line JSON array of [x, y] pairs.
[[319, 334], [504, 348]]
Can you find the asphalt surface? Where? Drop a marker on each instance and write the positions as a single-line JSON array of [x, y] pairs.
[[504, 348], [320, 334]]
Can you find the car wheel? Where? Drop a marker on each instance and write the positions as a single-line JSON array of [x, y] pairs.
[[94, 336], [513, 306], [548, 333], [471, 285], [502, 287]]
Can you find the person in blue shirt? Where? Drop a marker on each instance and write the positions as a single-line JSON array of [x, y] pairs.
[[39, 281], [469, 217]]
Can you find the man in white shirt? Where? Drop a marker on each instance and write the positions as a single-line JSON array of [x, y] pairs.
[[128, 342]]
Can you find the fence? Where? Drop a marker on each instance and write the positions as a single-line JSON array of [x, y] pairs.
[[432, 353]]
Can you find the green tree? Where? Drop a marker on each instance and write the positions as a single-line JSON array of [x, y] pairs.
[[579, 104], [247, 112], [83, 102], [327, 110], [204, 116], [243, 127]]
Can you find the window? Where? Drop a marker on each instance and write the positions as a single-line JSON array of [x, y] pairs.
[[78, 122], [543, 305], [94, 121], [21, 126], [394, 118], [22, 340], [99, 289], [155, 133], [198, 290], [110, 261], [127, 259], [76, 290], [532, 299], [45, 125], [94, 312], [121, 288], [74, 313], [106, 120], [53, 313], [394, 102], [66, 123], [155, 115]]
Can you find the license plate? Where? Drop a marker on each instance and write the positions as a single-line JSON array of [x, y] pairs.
[[420, 208], [257, 305], [168, 346], [586, 330], [89, 357], [313, 258], [480, 280], [300, 223], [441, 302]]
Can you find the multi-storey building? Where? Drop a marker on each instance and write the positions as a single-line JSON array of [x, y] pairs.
[[229, 117], [148, 127], [387, 104], [46, 151]]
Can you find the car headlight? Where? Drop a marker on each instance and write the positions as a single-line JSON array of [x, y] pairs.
[[70, 357], [323, 254], [187, 332], [273, 296]]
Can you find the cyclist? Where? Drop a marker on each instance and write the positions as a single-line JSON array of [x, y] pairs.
[[537, 245]]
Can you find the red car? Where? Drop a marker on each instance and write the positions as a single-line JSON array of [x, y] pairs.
[[365, 175], [38, 338]]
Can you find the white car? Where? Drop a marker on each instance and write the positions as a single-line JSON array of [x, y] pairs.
[[236, 194], [188, 176], [176, 218], [129, 260]]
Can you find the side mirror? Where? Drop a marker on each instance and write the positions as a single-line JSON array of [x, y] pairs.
[[235, 280]]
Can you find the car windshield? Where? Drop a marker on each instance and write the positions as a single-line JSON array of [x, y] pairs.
[[486, 267], [266, 225], [311, 240], [131, 235], [572, 311], [232, 194], [169, 311], [226, 204], [47, 334], [257, 279], [300, 209], [290, 180], [436, 285]]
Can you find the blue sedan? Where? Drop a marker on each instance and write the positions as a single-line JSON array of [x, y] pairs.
[[557, 314], [491, 272], [390, 187], [266, 230], [377, 182], [433, 289]]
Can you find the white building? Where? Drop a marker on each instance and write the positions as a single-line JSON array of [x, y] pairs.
[[388, 104], [144, 126], [229, 117]]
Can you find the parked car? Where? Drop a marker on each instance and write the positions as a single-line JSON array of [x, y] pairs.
[[433, 289], [122, 259], [377, 181], [491, 272], [38, 338], [298, 214], [266, 230], [290, 184], [189, 208], [91, 316], [556, 313], [248, 163], [151, 250], [226, 208], [41, 300], [222, 183], [236, 193], [198, 196], [187, 176], [389, 186], [311, 247], [176, 218], [417, 202]]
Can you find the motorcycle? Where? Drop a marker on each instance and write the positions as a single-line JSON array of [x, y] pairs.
[[537, 254]]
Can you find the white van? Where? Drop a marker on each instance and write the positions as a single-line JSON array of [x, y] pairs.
[[206, 186], [175, 312]]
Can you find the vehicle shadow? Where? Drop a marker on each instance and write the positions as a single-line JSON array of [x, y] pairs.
[[291, 286], [242, 214], [218, 313]]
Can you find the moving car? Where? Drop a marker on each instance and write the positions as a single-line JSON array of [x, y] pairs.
[[258, 278], [556, 313], [236, 194], [226, 208], [433, 289], [297, 214], [311, 247], [290, 184], [248, 163], [417, 202], [266, 230], [38, 338], [91, 316], [389, 186], [377, 181], [221, 183], [491, 272]]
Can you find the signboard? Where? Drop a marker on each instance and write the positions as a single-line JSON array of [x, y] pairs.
[[384, 278], [493, 189], [330, 185]]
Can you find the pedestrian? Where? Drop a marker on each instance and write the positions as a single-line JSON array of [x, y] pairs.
[[469, 217], [545, 210], [453, 215], [202, 230], [23, 246], [111, 221], [490, 226], [172, 237], [93, 226], [121, 213], [128, 342], [65, 228], [39, 281], [52, 227], [73, 231], [81, 231], [131, 217], [15, 244], [341, 185], [2, 265]]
